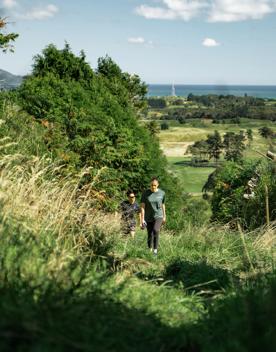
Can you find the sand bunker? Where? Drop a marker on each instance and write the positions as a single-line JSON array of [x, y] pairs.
[[175, 148]]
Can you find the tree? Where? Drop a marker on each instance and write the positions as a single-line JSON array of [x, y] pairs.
[[249, 134], [266, 132], [6, 39], [214, 145], [89, 124], [199, 149], [62, 64], [133, 88], [164, 126], [157, 103], [234, 146], [153, 128]]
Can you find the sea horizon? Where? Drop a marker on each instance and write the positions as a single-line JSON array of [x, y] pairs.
[[183, 90]]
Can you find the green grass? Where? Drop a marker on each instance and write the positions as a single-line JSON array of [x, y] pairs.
[[191, 178]]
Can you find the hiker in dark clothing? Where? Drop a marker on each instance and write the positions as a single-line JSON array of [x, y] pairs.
[[153, 213], [129, 208]]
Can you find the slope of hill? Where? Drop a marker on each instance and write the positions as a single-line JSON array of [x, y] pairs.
[[8, 80]]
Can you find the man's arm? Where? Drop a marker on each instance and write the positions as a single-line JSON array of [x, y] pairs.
[[142, 214], [164, 213]]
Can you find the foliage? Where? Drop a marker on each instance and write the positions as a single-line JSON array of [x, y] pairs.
[[249, 134], [6, 39], [23, 134], [234, 145], [87, 126], [199, 149], [91, 121], [153, 128], [157, 103], [266, 132], [215, 145], [63, 64], [241, 103], [228, 201], [245, 320], [65, 261], [128, 88], [217, 108], [164, 126]]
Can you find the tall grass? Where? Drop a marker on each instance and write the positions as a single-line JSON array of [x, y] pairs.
[[49, 215]]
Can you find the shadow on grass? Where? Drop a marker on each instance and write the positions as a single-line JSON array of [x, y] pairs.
[[245, 321], [199, 277], [71, 321], [64, 322]]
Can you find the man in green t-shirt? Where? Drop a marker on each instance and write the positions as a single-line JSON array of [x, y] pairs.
[[153, 213]]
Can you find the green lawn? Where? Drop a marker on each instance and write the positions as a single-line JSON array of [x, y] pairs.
[[176, 139], [191, 178]]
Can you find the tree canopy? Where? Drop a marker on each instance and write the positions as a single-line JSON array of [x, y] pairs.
[[91, 120]]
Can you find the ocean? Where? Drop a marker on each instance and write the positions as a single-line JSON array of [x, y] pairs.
[[182, 90]]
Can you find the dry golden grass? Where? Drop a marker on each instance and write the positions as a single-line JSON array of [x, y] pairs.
[[183, 134], [266, 238], [33, 193]]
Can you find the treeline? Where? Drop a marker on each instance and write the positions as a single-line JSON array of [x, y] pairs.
[[90, 119], [231, 146], [216, 107], [225, 100]]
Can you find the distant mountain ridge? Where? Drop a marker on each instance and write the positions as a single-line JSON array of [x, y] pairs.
[[8, 80]]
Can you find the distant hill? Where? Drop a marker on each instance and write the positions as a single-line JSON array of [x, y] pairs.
[[8, 80]]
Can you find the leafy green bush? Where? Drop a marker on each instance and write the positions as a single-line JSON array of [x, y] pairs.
[[228, 201], [164, 126], [91, 121]]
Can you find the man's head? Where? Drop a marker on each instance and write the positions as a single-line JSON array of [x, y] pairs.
[[154, 184], [131, 196]]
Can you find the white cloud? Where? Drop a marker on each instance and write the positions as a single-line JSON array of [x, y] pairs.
[[212, 10], [209, 42], [174, 9], [140, 41], [9, 4], [40, 13], [136, 40], [240, 10]]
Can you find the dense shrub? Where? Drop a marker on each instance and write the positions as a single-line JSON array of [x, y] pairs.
[[164, 126], [228, 201], [157, 103], [91, 120]]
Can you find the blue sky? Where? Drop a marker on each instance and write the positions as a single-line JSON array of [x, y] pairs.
[[164, 41]]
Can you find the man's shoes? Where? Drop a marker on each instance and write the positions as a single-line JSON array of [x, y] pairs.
[[155, 252]]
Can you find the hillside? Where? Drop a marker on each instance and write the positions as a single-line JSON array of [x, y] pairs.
[[71, 144], [8, 80], [71, 281]]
